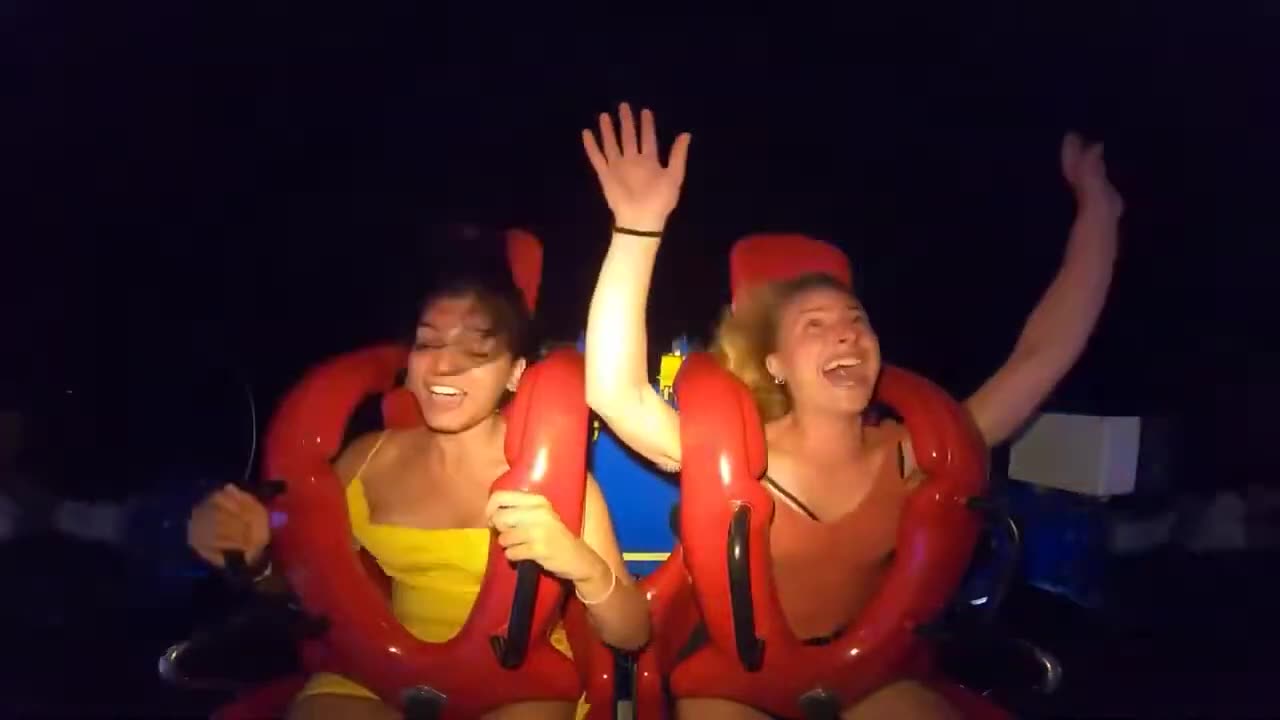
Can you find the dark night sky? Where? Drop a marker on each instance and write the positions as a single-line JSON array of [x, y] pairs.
[[208, 189]]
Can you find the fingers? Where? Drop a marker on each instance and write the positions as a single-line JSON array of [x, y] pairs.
[[594, 156], [679, 156], [648, 133], [1071, 145], [213, 557], [242, 498], [514, 536], [506, 518], [608, 150], [226, 501], [608, 140], [229, 519], [1093, 158], [1083, 162], [628, 122], [513, 499], [219, 540], [523, 551]]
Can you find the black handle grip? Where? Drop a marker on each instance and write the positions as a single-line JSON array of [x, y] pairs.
[[819, 704], [423, 703], [750, 646], [512, 649], [237, 568], [998, 520]]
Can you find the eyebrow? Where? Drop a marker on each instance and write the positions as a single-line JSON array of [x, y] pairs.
[[486, 330], [820, 308]]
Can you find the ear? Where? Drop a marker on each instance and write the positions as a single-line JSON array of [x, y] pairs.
[[774, 365], [517, 371]]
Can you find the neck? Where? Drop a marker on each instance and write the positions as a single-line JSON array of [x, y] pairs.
[[828, 435], [460, 450]]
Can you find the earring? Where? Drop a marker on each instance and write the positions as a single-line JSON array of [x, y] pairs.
[[779, 381]]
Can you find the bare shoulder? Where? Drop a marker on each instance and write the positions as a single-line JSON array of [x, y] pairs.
[[367, 453]]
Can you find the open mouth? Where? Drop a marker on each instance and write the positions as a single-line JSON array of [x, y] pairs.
[[445, 397], [843, 371]]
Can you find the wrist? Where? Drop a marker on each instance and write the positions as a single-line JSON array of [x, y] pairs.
[[1098, 205], [595, 572], [640, 222], [654, 235]]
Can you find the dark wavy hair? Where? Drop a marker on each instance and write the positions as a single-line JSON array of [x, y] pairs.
[[475, 266]]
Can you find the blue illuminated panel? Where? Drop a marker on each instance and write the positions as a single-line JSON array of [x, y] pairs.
[[640, 498]]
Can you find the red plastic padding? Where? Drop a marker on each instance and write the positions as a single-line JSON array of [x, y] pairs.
[[771, 257], [675, 614], [546, 448], [524, 254], [936, 536]]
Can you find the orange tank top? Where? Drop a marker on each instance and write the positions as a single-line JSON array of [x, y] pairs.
[[826, 572]]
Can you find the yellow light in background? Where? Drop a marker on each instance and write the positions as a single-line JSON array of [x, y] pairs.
[[667, 371], [645, 556]]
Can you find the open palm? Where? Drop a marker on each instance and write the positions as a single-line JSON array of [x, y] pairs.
[[640, 191]]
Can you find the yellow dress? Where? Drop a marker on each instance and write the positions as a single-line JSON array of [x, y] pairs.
[[435, 578]]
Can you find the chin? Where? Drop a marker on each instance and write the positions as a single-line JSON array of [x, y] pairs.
[[851, 403], [450, 422], [449, 428]]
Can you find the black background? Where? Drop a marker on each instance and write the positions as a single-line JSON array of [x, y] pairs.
[[203, 193]]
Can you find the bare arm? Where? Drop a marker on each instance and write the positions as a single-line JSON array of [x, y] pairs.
[[1059, 327], [621, 619], [618, 387], [641, 193]]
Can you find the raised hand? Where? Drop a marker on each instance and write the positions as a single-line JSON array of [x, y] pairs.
[[1085, 170], [640, 191], [529, 529]]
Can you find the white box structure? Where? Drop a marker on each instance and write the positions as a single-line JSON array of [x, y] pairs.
[[1085, 454]]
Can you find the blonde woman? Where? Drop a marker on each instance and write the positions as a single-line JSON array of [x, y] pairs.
[[808, 352]]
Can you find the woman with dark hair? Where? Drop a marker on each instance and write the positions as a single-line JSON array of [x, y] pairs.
[[419, 499]]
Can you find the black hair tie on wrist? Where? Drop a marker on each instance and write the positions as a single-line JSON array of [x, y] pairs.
[[619, 230]]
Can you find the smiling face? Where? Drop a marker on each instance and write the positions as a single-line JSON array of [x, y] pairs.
[[825, 351], [462, 363]]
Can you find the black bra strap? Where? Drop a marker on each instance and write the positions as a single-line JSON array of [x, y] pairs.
[[794, 500]]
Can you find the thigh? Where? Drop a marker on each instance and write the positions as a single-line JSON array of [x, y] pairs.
[[715, 709], [323, 706], [535, 711], [903, 699]]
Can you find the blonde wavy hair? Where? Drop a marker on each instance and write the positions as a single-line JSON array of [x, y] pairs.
[[749, 334]]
